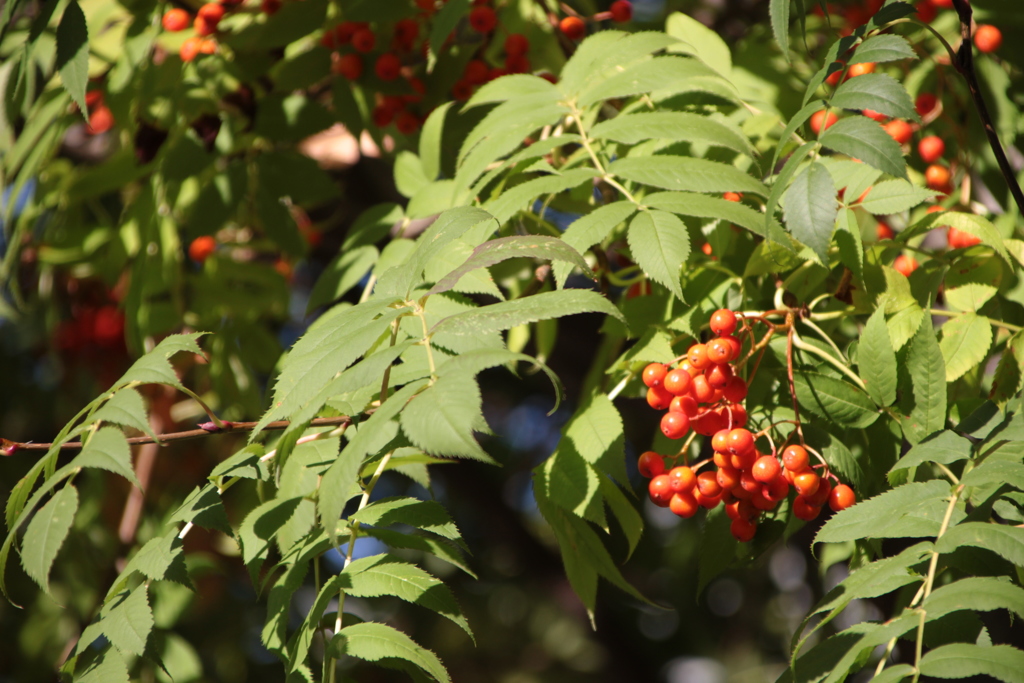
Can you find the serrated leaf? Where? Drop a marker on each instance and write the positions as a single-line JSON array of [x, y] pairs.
[[894, 674], [779, 11], [660, 244], [442, 418], [127, 409], [927, 371], [410, 177], [652, 74], [669, 125], [850, 242], [427, 515], [437, 547], [509, 314], [706, 206], [73, 53], [945, 447], [384, 575], [1004, 540], [107, 449], [204, 508], [477, 281], [671, 172], [965, 343], [505, 205], [596, 430], [701, 41], [511, 87], [109, 667], [1007, 378], [883, 48], [590, 229], [373, 642], [993, 471], [431, 136], [972, 280], [573, 484], [976, 593], [879, 92], [342, 274], [129, 622], [791, 127], [894, 196], [629, 518], [835, 399], [46, 533], [861, 138], [372, 226], [910, 511], [876, 359], [260, 526], [963, 660], [971, 223], [504, 248], [161, 558], [810, 208], [154, 368], [782, 180]]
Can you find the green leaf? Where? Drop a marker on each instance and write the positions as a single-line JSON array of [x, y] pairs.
[[879, 92], [976, 593], [517, 198], [125, 408], [963, 660], [596, 430], [511, 87], [46, 533], [258, 529], [810, 207], [927, 371], [671, 172], [162, 558], [794, 123], [439, 548], [910, 511], [779, 11], [972, 224], [701, 41], [660, 244], [108, 450], [342, 274], [410, 177], [965, 343], [509, 314], [73, 53], [373, 642], [427, 515], [372, 577], [643, 77], [605, 53], [154, 368], [864, 139], [876, 359], [590, 229], [894, 196], [993, 471], [670, 125], [431, 136], [477, 281], [372, 226], [204, 507], [504, 248], [894, 674], [109, 667], [1007, 378], [629, 518], [572, 484], [883, 48], [129, 622], [972, 280], [1006, 541], [835, 399], [442, 418], [717, 550], [944, 447], [705, 206], [473, 362], [782, 181]]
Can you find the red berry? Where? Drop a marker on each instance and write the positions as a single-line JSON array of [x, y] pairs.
[[383, 115], [483, 19], [738, 414], [189, 50], [476, 72], [926, 11], [683, 504], [406, 33], [719, 375], [517, 64], [702, 390], [987, 38], [677, 382], [959, 239], [176, 19], [820, 497], [720, 351], [101, 120], [516, 44], [804, 510], [344, 31], [740, 509], [650, 464], [905, 264], [658, 398], [728, 477], [900, 130], [350, 66], [621, 11], [685, 404], [806, 483], [407, 123], [735, 390], [860, 69], [743, 530], [937, 176], [686, 365], [682, 479], [573, 28], [462, 90], [765, 469], [707, 484], [841, 498], [931, 148], [820, 120], [698, 356], [660, 490], [776, 489], [654, 374], [883, 231], [204, 27], [675, 425], [925, 103], [740, 441], [201, 248], [720, 441], [212, 12], [833, 78], [730, 197], [874, 115], [270, 7], [388, 67], [795, 458], [364, 40]]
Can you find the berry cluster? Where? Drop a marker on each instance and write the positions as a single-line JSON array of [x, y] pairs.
[[575, 27], [704, 393], [205, 25]]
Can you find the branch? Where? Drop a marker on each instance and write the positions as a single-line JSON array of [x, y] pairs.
[[205, 429], [964, 64]]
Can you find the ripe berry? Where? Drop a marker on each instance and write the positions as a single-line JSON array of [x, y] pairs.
[[654, 374], [943, 4], [701, 390], [905, 264], [806, 483], [476, 72], [925, 103], [776, 489], [820, 497], [686, 365], [883, 231], [833, 78], [740, 509], [682, 479], [959, 239], [698, 356], [382, 115], [516, 44], [720, 351], [176, 19], [926, 11], [804, 510], [675, 425], [743, 530], [765, 469], [204, 27], [201, 248], [841, 498], [860, 69], [732, 197], [650, 464], [707, 502], [388, 67], [407, 123], [621, 10], [270, 7], [744, 460], [660, 490], [683, 504], [101, 120], [795, 458], [874, 115], [189, 49], [718, 375], [735, 390], [931, 149], [462, 90], [720, 441], [344, 31], [937, 176], [212, 12], [350, 66], [899, 130], [483, 19], [987, 38], [677, 382], [759, 501], [740, 441], [406, 33], [723, 321], [708, 422], [364, 40], [686, 404], [820, 120], [707, 484], [658, 398], [573, 28], [738, 414], [517, 64], [728, 477]]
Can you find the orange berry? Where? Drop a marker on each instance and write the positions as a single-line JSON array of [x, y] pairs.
[[735, 390], [720, 351], [176, 19], [937, 176], [899, 130], [959, 239], [723, 321], [702, 390], [677, 382], [905, 264], [740, 441], [573, 28], [744, 460], [841, 498], [740, 509], [925, 103], [833, 78], [683, 504], [698, 356], [883, 231], [707, 484], [201, 248], [718, 375], [682, 479], [658, 398], [874, 115], [820, 120], [212, 12], [101, 119], [660, 490], [675, 425], [987, 38], [650, 464], [720, 441], [795, 458], [728, 477], [804, 510], [765, 469], [860, 69], [732, 197], [806, 483], [654, 374], [776, 489], [686, 404], [931, 148], [686, 365], [743, 530], [820, 497]]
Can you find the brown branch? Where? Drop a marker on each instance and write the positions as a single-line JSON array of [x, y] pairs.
[[964, 64], [205, 429]]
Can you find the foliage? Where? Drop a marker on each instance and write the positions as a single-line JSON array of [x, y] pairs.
[[608, 190]]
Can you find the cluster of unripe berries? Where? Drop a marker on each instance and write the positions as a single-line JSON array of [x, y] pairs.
[[205, 24], [575, 28]]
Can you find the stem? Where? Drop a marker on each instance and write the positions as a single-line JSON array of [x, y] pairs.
[[426, 342], [828, 339], [789, 373], [620, 386], [585, 141], [991, 321], [824, 355]]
